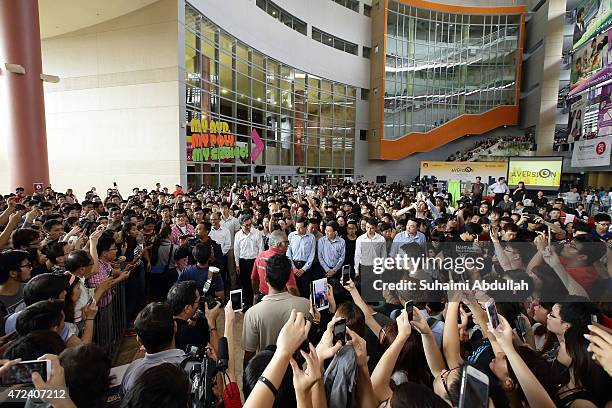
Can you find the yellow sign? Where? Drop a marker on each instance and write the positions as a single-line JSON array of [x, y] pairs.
[[465, 171], [535, 173]]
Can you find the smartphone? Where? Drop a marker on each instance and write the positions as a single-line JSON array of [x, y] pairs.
[[346, 274], [339, 332], [409, 309], [22, 373], [319, 294], [236, 299], [492, 313], [549, 236], [474, 391], [114, 184]]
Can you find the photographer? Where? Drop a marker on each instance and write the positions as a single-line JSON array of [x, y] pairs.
[[208, 280], [191, 327]]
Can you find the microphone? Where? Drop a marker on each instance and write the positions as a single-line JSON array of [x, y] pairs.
[[223, 354]]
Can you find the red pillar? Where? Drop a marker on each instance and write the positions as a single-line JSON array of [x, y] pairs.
[[23, 104]]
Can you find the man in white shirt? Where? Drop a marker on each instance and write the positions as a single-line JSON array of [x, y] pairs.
[[369, 246], [233, 226], [498, 189], [571, 198], [222, 236], [247, 244]]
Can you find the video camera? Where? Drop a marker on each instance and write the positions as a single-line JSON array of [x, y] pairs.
[[203, 372]]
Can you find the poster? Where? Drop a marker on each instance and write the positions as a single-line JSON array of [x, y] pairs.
[[465, 171], [604, 116], [589, 59], [592, 152], [535, 172], [576, 118], [592, 17]]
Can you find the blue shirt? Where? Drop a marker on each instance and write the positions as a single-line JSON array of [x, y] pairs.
[[404, 238], [11, 323], [331, 253], [605, 237], [200, 276], [301, 248]]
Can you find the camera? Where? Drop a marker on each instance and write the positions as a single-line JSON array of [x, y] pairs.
[[212, 302], [203, 372]]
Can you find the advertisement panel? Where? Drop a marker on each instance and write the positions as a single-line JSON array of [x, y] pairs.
[[592, 17], [465, 171], [576, 118], [590, 58], [604, 116], [592, 152], [535, 172]]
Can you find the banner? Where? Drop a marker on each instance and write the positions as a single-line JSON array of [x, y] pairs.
[[465, 171], [536, 172], [604, 117], [592, 17], [592, 152], [589, 59], [576, 118]]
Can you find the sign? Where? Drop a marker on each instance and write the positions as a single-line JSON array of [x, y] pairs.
[[259, 146], [592, 152], [211, 140], [535, 172], [604, 117], [38, 188], [465, 171], [576, 118], [592, 17], [588, 59]]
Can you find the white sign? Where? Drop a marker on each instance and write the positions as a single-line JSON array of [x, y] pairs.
[[592, 152]]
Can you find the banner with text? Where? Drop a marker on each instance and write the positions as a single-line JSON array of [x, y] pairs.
[[465, 171], [536, 172], [592, 152]]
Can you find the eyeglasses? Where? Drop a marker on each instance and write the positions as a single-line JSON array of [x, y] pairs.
[[604, 224], [28, 265]]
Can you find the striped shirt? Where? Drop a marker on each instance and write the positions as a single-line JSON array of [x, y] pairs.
[[178, 231], [331, 253], [301, 248], [106, 270]]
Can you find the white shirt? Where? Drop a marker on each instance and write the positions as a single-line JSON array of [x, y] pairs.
[[222, 237], [499, 188], [571, 197], [248, 246], [232, 224], [366, 249]]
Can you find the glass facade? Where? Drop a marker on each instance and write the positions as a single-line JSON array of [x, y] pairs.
[[442, 65], [304, 121], [334, 42], [281, 15]]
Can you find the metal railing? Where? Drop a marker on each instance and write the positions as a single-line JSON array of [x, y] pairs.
[[111, 322]]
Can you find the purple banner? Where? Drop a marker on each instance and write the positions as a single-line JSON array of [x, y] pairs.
[[604, 117]]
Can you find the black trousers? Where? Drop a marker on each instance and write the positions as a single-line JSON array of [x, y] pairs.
[[246, 267], [303, 282]]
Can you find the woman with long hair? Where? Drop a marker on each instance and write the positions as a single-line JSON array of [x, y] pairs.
[[162, 259], [582, 379]]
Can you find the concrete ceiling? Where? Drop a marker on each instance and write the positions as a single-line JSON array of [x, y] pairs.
[[59, 17]]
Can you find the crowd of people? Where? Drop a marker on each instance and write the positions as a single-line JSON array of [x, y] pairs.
[[480, 147], [188, 259]]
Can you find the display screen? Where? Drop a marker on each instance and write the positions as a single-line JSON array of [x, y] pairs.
[[535, 172]]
